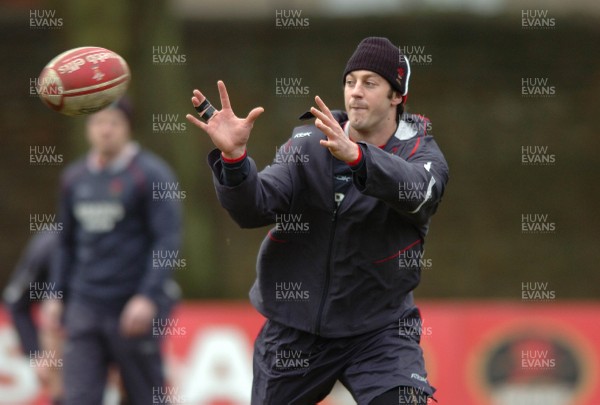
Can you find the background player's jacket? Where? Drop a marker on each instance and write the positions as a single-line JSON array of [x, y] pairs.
[[27, 284], [116, 222], [339, 270]]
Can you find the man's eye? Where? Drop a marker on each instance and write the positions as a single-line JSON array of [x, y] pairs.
[[349, 82]]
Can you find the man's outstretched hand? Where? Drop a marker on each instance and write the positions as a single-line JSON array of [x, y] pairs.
[[338, 143], [229, 133]]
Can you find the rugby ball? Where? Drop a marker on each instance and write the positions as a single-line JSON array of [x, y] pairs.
[[83, 80]]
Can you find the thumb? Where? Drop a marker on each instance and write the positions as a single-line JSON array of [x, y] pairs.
[[254, 114]]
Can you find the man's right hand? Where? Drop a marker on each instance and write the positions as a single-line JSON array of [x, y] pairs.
[[228, 132]]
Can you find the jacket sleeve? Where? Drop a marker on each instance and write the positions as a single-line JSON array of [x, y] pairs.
[[413, 187], [31, 268], [260, 196], [61, 264], [163, 217]]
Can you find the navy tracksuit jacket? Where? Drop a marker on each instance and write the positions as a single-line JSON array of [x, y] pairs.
[[337, 270], [114, 221]]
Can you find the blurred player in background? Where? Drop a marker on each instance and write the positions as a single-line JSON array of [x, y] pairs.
[[31, 275], [333, 290], [112, 226]]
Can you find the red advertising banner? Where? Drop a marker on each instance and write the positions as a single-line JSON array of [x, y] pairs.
[[477, 353]]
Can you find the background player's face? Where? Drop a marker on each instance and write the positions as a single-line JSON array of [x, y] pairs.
[[108, 131], [368, 102]]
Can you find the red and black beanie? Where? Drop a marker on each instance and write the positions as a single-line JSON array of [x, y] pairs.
[[379, 55]]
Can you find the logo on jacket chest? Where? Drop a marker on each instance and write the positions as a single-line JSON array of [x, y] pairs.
[[98, 216]]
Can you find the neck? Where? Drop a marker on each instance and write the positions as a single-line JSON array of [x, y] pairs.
[[105, 157]]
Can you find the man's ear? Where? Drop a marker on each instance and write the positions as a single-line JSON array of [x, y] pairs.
[[396, 98]]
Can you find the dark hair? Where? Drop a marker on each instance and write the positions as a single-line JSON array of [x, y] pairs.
[[399, 111], [399, 107]]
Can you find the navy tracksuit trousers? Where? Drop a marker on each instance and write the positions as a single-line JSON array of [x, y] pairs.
[[94, 342]]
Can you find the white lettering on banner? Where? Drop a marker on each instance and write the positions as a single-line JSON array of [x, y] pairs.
[[219, 367], [14, 367]]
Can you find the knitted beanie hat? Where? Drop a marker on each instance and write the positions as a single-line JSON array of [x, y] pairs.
[[379, 55]]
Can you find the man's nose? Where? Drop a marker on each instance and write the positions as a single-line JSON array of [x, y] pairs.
[[357, 91]]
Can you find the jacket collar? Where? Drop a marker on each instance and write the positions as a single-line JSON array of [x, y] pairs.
[[119, 163]]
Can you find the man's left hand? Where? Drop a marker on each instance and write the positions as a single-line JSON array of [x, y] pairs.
[[338, 143]]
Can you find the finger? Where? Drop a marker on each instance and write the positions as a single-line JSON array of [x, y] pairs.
[[324, 128], [324, 107], [204, 108], [254, 114], [199, 96], [323, 123], [320, 115], [197, 122], [195, 101], [327, 144], [223, 94]]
